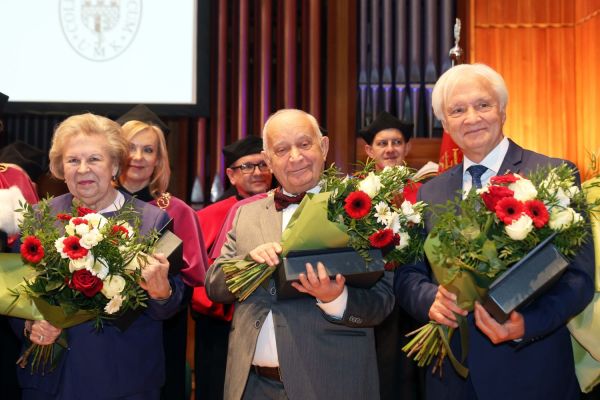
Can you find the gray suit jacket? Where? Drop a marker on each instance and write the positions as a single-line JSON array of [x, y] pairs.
[[541, 366], [319, 357]]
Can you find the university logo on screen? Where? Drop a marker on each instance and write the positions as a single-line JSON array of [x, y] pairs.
[[100, 30]]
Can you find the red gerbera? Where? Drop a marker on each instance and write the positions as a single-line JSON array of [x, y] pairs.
[[538, 212], [509, 209], [382, 238], [79, 221], [500, 179], [73, 249], [63, 217], [32, 249], [494, 195], [357, 204], [83, 211]]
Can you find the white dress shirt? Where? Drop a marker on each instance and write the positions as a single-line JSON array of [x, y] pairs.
[[265, 354], [493, 162]]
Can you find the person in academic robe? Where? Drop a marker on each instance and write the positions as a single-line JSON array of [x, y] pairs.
[[146, 176]]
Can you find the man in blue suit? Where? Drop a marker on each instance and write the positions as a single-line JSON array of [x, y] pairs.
[[529, 356]]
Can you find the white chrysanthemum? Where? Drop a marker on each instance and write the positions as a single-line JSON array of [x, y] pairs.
[[113, 285], [563, 197], [96, 220], [82, 263], [563, 218], [520, 228], [82, 229], [410, 213], [91, 238], [99, 268], [382, 211], [404, 240], [371, 185], [59, 246], [523, 188], [114, 304], [70, 229]]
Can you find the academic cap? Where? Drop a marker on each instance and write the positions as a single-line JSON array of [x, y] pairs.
[[143, 114], [31, 159], [385, 120], [243, 147]]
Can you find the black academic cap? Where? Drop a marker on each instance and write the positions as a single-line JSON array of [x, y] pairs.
[[143, 114], [385, 120], [3, 101], [243, 147], [33, 160]]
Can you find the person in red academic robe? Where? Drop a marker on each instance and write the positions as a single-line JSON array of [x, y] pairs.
[[249, 175], [146, 176]]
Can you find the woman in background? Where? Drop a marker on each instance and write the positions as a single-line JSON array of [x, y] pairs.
[[146, 176]]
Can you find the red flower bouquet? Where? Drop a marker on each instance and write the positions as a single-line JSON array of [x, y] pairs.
[[78, 266], [496, 227]]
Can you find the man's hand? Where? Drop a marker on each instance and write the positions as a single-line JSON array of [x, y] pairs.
[[155, 277], [319, 285], [513, 328], [444, 308], [266, 253]]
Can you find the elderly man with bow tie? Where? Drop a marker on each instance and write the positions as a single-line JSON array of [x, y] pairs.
[[319, 346]]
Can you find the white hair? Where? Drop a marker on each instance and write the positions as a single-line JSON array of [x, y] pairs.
[[449, 79]]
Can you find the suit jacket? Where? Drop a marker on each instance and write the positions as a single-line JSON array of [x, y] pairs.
[[320, 357], [110, 363], [541, 365]]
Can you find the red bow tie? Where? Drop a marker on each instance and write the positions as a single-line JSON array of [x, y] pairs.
[[282, 200]]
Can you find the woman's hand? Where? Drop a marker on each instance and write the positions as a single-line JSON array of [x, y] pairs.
[[42, 332], [155, 277]]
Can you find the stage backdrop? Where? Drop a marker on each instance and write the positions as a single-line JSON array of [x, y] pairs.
[[548, 53]]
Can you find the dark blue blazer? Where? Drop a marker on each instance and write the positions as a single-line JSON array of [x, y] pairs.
[[110, 363], [539, 367]]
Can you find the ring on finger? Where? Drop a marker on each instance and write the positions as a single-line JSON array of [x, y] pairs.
[[41, 338]]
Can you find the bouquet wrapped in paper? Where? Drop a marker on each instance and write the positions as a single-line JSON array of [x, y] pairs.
[[73, 268], [365, 211], [496, 227]]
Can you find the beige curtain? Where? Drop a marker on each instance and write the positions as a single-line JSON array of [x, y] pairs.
[[548, 53]]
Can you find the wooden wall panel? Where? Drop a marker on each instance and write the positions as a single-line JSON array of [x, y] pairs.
[[544, 50]]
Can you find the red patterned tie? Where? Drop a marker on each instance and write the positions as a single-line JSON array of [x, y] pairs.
[[282, 200]]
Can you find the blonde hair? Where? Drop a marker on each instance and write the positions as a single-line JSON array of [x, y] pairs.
[[159, 181], [449, 79], [88, 125]]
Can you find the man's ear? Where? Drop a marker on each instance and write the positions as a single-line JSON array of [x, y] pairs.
[[265, 156], [324, 146], [407, 148], [231, 175]]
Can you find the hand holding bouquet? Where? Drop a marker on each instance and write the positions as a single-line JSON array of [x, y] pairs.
[[496, 227], [79, 266]]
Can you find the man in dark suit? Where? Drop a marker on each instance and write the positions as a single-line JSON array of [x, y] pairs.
[[529, 356], [319, 346]]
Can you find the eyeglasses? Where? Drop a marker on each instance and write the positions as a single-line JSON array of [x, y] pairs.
[[248, 168]]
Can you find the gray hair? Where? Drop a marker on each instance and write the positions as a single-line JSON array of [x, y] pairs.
[[449, 79], [290, 111]]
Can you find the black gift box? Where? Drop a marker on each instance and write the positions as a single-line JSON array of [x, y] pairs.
[[172, 247], [525, 280], [346, 261]]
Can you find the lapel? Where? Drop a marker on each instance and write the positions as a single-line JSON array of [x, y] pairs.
[[270, 222], [452, 187], [512, 160]]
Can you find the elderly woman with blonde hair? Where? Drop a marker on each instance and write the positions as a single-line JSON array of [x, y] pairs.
[[88, 152], [146, 176]]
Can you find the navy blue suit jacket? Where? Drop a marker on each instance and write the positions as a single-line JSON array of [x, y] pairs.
[[539, 367], [110, 363]]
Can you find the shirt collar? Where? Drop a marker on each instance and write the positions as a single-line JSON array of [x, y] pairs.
[[493, 161]]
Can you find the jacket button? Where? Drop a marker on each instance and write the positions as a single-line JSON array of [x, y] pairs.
[[257, 323], [273, 291]]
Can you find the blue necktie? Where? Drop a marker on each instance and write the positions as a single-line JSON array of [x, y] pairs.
[[476, 171]]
